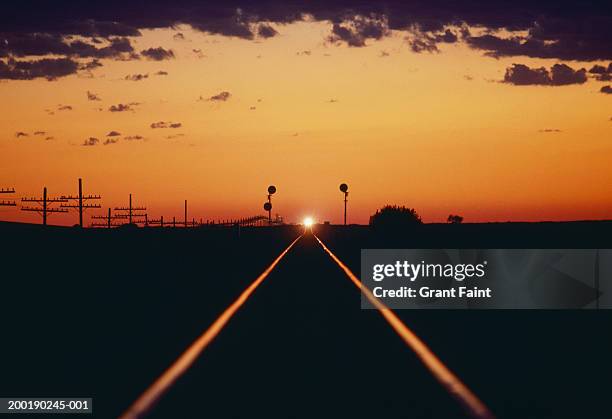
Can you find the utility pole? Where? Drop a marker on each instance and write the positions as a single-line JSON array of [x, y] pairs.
[[7, 203], [108, 220], [131, 212], [79, 202], [159, 221], [44, 207], [344, 189]]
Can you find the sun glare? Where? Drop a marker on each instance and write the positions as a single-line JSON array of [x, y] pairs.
[[308, 222]]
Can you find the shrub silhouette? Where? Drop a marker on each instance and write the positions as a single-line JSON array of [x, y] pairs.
[[395, 216], [454, 219]]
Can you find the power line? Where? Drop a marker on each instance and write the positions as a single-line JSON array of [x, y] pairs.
[[108, 220], [44, 207], [4, 202], [79, 202], [131, 212]]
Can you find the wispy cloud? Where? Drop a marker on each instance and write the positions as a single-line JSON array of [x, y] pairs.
[[158, 54], [162, 124], [220, 97], [91, 141], [136, 77], [93, 96]]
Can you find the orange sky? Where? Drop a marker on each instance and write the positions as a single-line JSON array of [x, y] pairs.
[[434, 131]]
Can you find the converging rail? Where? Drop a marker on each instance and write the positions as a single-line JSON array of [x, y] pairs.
[[148, 399], [446, 377], [473, 406]]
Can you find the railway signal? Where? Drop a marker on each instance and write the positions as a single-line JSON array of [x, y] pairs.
[[79, 202], [44, 207], [344, 189], [268, 205]]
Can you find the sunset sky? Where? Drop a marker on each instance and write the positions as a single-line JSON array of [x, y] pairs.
[[496, 113]]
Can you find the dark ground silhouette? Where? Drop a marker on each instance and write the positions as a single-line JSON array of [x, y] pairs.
[[97, 313]]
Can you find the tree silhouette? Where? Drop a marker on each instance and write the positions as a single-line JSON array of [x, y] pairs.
[[454, 219], [395, 216]]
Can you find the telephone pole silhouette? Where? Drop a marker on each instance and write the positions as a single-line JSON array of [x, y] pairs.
[[159, 221], [4, 202], [131, 212], [79, 202], [108, 220], [44, 207]]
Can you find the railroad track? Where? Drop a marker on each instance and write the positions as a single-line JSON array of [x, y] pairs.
[[147, 401]]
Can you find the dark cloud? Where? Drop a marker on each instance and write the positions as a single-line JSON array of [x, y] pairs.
[[559, 75], [266, 31], [550, 130], [64, 107], [39, 132], [90, 65], [121, 107], [565, 30], [221, 97], [158, 54], [162, 124], [92, 96], [136, 77], [161, 73], [606, 90], [598, 69], [48, 68], [19, 134], [91, 141], [356, 30], [602, 73], [133, 137], [178, 36], [113, 134], [428, 41], [38, 44], [305, 52], [49, 138], [567, 40], [562, 74], [110, 141]]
